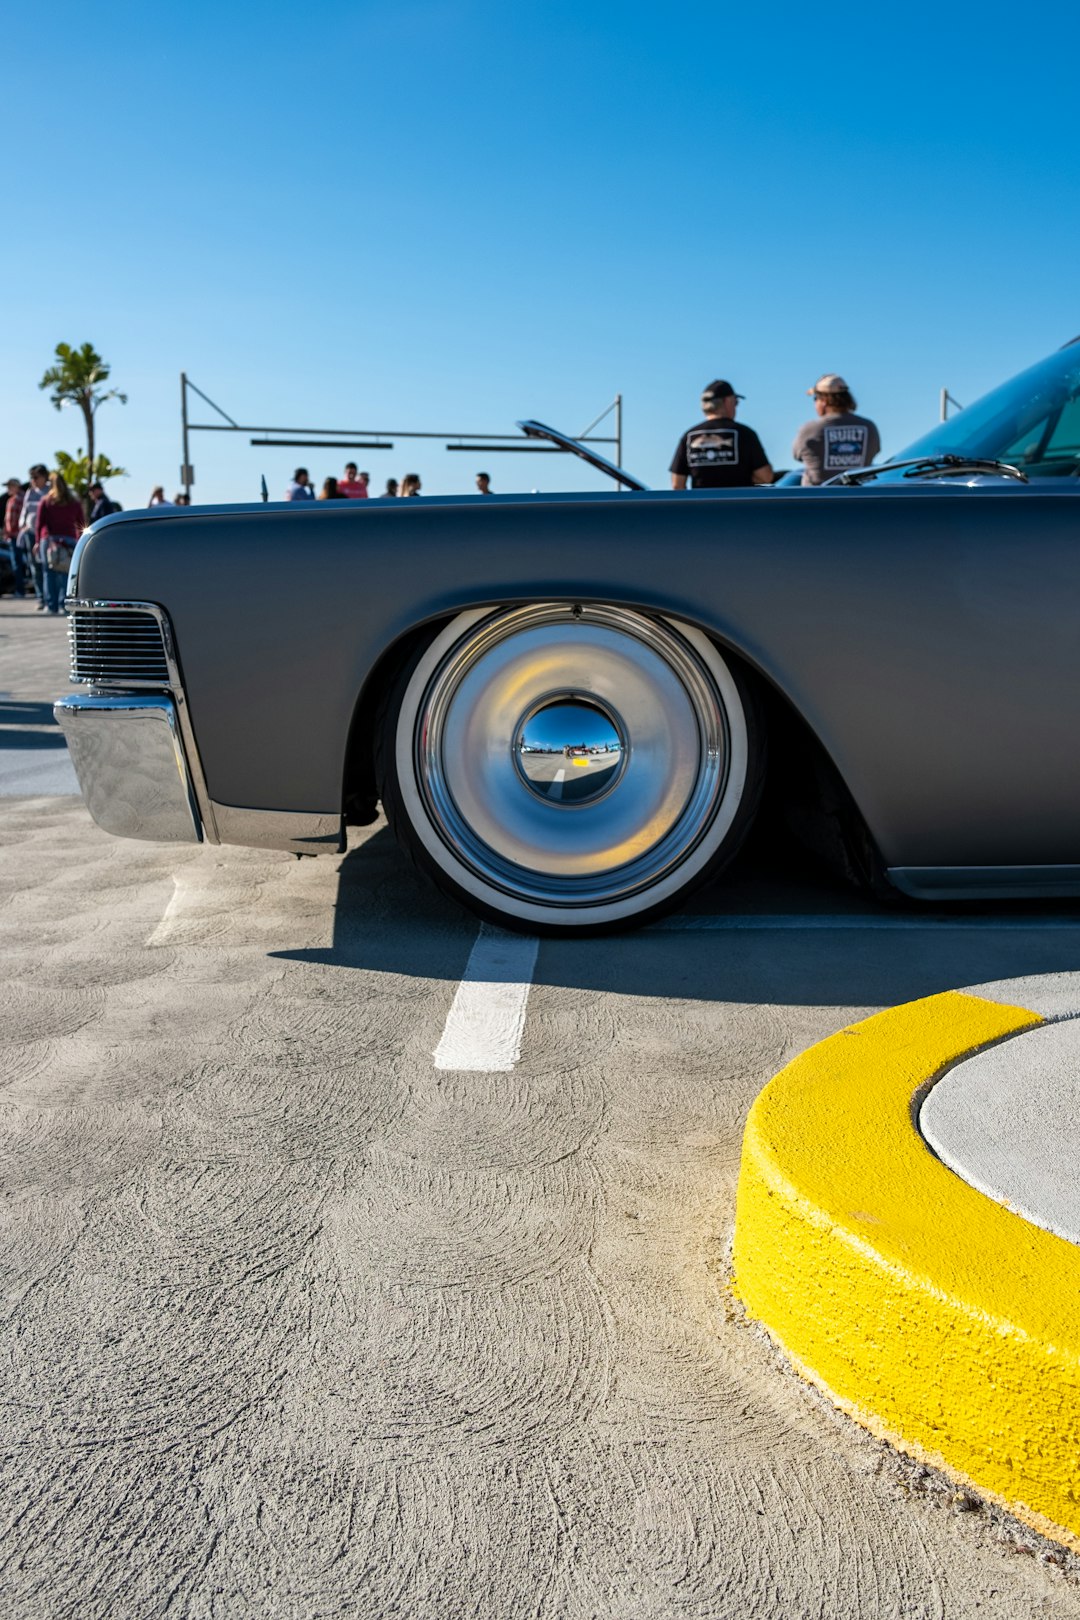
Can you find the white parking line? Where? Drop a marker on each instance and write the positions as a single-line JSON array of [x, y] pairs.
[[775, 920], [555, 791], [486, 1021]]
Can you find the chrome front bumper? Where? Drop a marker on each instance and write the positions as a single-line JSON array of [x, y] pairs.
[[130, 761], [133, 747]]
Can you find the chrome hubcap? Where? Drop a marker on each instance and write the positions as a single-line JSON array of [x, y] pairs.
[[571, 755], [570, 751]]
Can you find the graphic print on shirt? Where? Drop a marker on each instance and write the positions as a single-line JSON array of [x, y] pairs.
[[712, 447], [844, 447]]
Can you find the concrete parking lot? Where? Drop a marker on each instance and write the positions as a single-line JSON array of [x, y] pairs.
[[300, 1322]]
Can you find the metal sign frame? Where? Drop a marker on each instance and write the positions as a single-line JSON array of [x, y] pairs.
[[372, 439]]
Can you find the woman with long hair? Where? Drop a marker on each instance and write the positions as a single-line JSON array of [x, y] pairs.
[[157, 496], [330, 491], [410, 484], [60, 521]]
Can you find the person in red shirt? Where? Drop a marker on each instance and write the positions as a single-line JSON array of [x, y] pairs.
[[60, 521], [354, 485], [12, 513]]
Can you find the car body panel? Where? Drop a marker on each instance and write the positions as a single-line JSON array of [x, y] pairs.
[[925, 633]]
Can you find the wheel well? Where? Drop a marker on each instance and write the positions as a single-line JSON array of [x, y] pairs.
[[807, 800], [805, 796], [361, 796]]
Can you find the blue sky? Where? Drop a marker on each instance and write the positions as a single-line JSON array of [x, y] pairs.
[[437, 215]]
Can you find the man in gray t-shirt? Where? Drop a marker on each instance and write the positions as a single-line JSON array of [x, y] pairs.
[[836, 440]]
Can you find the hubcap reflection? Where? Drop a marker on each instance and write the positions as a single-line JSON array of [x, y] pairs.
[[569, 751]]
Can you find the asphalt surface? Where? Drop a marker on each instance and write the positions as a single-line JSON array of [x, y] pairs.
[[300, 1321], [568, 777], [33, 757]]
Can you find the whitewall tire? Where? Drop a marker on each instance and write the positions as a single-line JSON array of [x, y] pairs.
[[565, 768]]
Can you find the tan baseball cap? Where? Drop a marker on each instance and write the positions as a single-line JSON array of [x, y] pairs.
[[829, 384]]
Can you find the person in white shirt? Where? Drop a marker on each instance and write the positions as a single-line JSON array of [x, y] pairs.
[[27, 536]]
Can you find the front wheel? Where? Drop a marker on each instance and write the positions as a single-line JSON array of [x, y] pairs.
[[564, 769]]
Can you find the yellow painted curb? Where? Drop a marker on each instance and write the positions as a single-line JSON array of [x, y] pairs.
[[938, 1318]]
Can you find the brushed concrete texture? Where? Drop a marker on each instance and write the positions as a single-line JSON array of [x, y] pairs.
[[44, 773], [297, 1325], [1051, 995], [1008, 1121]]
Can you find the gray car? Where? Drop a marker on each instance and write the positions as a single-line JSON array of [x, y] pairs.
[[571, 706]]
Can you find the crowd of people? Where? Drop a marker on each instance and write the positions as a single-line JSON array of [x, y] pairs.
[[42, 520], [355, 485]]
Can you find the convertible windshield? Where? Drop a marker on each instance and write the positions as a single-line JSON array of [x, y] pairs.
[[1032, 421]]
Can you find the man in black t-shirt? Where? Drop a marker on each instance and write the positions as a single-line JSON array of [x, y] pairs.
[[720, 453]]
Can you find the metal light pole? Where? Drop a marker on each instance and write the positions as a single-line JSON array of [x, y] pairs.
[[947, 400], [187, 471]]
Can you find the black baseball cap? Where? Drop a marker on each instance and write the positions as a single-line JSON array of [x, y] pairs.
[[719, 390]]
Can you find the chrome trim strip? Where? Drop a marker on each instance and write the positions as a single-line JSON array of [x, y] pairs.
[[986, 882], [301, 832], [129, 758], [204, 802]]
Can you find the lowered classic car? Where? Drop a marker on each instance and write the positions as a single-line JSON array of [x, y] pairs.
[[570, 706]]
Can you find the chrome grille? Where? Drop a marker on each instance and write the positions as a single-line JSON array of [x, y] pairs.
[[117, 647]]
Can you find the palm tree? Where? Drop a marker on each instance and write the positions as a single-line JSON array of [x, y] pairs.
[[76, 380]]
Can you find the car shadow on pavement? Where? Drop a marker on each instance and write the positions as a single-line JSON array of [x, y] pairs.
[[22, 712], [390, 919], [28, 725]]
